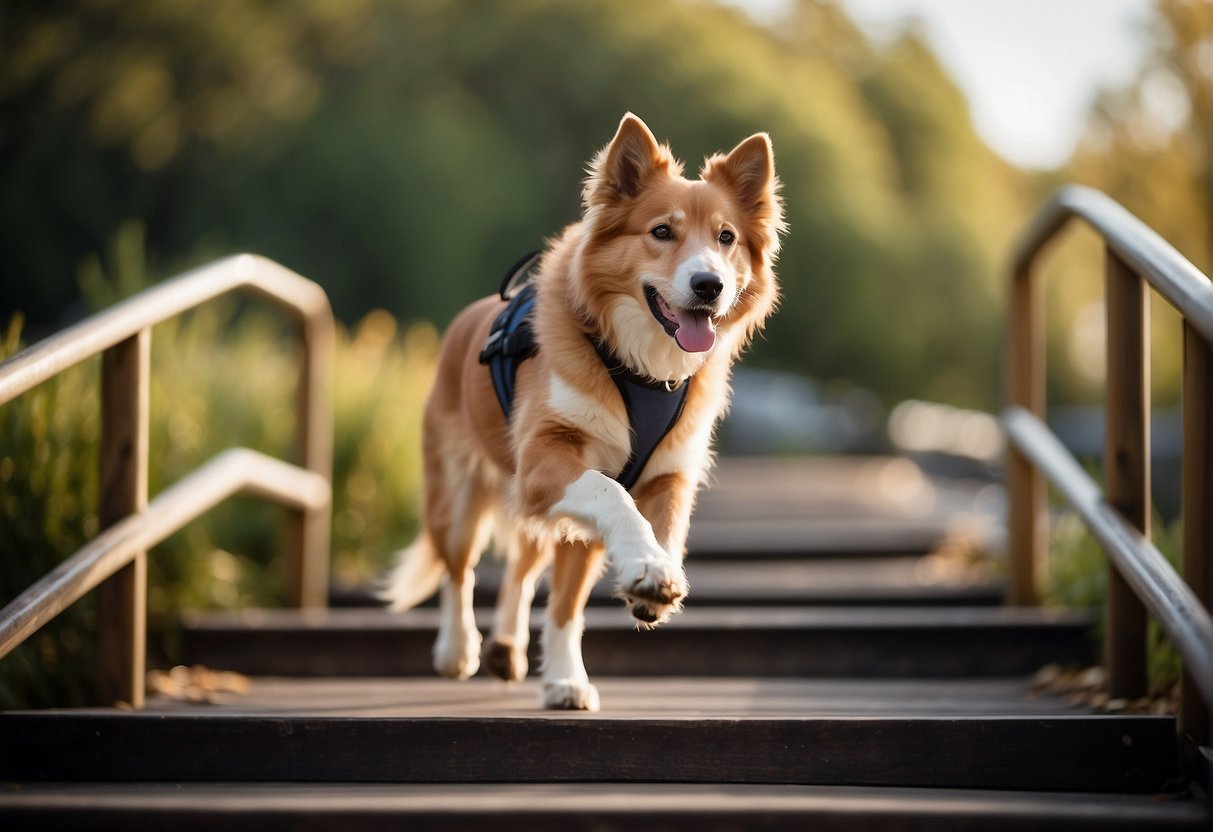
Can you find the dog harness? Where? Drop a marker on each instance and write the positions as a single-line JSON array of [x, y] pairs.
[[653, 408]]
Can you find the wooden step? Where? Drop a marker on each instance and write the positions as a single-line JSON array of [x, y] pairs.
[[716, 641], [832, 506], [580, 808], [654, 730], [808, 538], [650, 698], [846, 582]]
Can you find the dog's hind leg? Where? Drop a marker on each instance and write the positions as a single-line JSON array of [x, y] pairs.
[[566, 686], [505, 654], [460, 533]]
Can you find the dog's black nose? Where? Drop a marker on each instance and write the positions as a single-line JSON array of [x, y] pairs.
[[708, 285]]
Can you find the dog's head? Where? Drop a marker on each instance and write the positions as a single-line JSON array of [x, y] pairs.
[[672, 270]]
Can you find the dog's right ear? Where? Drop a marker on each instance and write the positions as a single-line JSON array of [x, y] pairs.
[[620, 169]]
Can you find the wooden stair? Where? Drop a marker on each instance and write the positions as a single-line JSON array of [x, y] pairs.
[[765, 705], [935, 642]]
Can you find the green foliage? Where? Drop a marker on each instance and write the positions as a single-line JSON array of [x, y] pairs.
[[403, 153], [1148, 145], [1078, 579], [48, 503], [230, 557]]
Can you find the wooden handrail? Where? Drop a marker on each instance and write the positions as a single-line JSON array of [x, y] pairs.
[[1167, 597], [275, 283], [1184, 286], [1137, 257], [231, 472], [122, 335], [298, 296]]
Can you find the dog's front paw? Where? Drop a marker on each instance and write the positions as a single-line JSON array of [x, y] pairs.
[[653, 590], [570, 695], [505, 661], [457, 658]]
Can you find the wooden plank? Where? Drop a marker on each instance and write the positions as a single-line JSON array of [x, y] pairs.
[[1127, 465], [798, 538], [629, 697], [825, 506], [122, 598], [777, 642], [869, 581], [1078, 753], [574, 807]]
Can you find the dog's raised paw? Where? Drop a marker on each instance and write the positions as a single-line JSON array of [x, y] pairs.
[[653, 591], [569, 695], [505, 661]]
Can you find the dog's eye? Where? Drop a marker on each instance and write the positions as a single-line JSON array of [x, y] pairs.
[[662, 232], [727, 238]]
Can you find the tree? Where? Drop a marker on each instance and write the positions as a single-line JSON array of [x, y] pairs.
[[403, 153]]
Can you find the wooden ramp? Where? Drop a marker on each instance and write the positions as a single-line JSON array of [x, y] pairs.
[[817, 679]]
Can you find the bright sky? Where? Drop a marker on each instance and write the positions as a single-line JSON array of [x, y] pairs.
[[1030, 68]]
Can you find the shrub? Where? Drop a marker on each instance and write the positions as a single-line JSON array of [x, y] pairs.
[[1078, 578]]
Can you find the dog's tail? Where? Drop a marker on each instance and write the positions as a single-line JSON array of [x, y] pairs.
[[418, 573]]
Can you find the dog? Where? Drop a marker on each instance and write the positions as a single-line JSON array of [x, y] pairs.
[[652, 295]]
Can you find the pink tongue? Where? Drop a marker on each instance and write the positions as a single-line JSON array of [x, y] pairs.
[[696, 331]]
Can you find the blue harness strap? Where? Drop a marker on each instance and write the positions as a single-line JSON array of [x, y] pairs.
[[653, 408], [511, 340]]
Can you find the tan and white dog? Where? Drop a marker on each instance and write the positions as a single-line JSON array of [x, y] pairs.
[[673, 277]]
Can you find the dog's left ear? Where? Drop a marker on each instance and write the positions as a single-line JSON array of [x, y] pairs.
[[749, 170]]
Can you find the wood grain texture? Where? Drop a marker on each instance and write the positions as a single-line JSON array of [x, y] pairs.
[[583, 808], [1197, 510], [630, 697], [1027, 509], [845, 582], [829, 506], [122, 598], [1126, 465], [1078, 753], [709, 642]]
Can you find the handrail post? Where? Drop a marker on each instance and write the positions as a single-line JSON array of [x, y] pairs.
[[1027, 522], [122, 599], [308, 530], [1197, 502], [1127, 464]]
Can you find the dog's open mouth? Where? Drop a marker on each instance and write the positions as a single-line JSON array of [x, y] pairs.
[[693, 329]]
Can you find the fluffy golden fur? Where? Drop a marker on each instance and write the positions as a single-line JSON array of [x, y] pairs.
[[674, 276]]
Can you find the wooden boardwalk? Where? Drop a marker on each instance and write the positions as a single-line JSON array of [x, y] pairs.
[[844, 662]]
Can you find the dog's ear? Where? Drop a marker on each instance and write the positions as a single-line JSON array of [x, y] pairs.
[[620, 169], [749, 170]]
